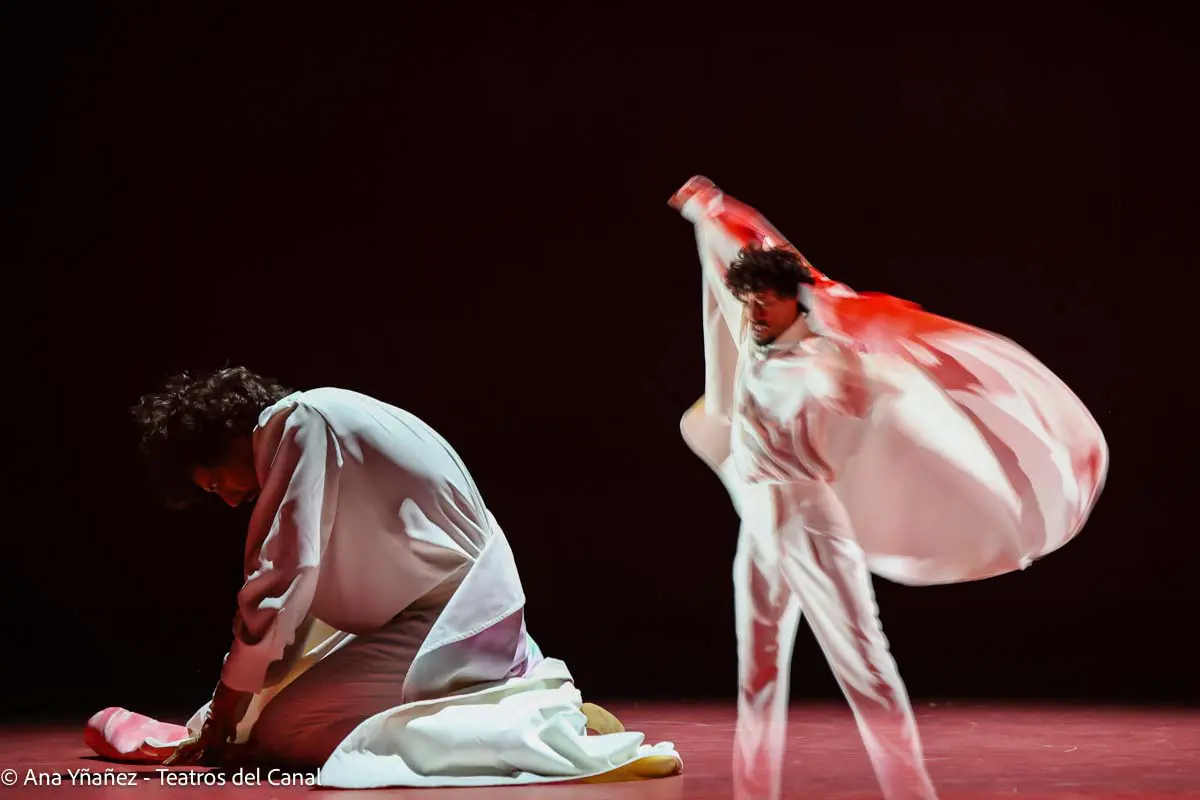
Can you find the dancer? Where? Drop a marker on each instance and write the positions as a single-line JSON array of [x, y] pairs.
[[380, 633], [857, 434]]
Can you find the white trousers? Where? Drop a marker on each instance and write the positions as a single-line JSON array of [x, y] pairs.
[[795, 553]]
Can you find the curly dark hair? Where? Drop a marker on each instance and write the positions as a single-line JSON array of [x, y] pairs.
[[758, 270], [193, 420]]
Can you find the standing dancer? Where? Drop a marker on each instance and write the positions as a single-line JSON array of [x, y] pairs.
[[858, 434]]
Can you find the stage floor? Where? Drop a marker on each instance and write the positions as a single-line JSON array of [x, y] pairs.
[[975, 751]]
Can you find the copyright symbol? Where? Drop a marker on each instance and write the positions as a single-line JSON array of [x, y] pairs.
[[8, 777]]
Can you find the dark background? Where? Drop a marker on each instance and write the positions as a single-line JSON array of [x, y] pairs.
[[462, 212]]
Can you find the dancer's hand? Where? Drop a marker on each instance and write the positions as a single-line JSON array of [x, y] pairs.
[[219, 731], [205, 748]]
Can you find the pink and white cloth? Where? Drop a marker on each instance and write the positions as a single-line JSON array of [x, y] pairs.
[[123, 735]]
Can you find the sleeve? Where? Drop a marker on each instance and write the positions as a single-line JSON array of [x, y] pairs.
[[287, 538], [724, 327], [702, 204]]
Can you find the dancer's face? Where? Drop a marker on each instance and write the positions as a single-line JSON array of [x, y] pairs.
[[770, 314], [234, 479]]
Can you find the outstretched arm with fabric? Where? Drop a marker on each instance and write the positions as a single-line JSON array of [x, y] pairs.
[[705, 426], [288, 533], [723, 227], [703, 204]]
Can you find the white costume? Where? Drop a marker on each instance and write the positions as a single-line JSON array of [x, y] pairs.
[[893, 442], [413, 665]]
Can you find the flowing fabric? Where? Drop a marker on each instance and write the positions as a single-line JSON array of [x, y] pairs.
[[982, 462]]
